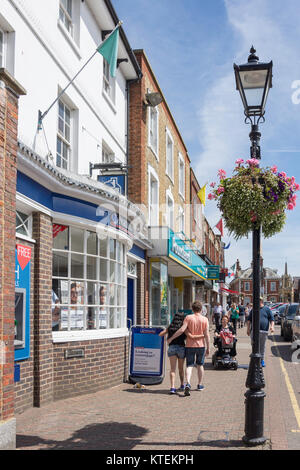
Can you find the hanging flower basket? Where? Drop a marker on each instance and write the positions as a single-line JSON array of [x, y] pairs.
[[254, 197]]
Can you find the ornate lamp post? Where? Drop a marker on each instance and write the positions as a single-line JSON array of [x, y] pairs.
[[253, 81]]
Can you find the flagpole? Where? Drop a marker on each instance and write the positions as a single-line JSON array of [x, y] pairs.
[[42, 115]]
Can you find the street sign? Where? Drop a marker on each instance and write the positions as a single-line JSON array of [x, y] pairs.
[[213, 272]]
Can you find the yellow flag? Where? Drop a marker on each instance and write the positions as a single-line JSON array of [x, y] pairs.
[[201, 194]]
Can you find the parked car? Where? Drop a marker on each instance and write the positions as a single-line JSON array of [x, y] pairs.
[[296, 327], [291, 311], [278, 311], [295, 346]]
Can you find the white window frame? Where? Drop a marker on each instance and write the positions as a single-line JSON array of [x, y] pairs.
[[66, 17], [109, 83], [119, 282], [153, 212], [181, 220], [107, 154], [3, 51], [62, 137], [181, 175], [153, 130], [170, 222], [169, 157], [273, 284], [26, 224]]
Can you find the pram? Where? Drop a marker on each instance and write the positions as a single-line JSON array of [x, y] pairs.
[[224, 357]]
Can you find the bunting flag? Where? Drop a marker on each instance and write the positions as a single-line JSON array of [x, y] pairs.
[[220, 226], [57, 228], [201, 195], [226, 247], [109, 50]]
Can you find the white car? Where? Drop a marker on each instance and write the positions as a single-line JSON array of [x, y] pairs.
[[296, 334]]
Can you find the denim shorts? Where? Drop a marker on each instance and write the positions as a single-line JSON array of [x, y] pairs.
[[176, 350], [190, 354]]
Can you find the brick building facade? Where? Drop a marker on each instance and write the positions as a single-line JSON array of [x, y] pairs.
[[10, 90], [243, 284]]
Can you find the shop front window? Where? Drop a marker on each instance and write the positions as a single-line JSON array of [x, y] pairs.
[[88, 282], [159, 311]]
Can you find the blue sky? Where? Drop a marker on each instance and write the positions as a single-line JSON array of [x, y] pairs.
[[192, 45]]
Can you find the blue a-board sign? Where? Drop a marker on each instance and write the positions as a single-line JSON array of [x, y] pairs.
[[147, 352], [22, 302]]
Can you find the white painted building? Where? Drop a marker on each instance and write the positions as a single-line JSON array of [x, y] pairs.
[[88, 281], [43, 45]]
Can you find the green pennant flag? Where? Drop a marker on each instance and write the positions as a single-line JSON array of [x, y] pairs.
[[109, 50]]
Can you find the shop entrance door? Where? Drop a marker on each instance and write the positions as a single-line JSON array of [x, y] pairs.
[[130, 302]]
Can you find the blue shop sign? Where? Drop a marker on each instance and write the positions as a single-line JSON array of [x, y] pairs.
[[117, 182], [181, 252]]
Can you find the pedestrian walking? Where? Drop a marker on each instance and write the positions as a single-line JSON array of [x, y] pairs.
[[176, 350], [241, 316], [234, 315], [266, 322], [196, 327], [217, 314]]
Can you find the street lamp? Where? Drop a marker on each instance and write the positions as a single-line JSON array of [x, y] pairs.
[[253, 81]]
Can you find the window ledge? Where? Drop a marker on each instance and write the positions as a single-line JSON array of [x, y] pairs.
[[154, 152], [170, 178], [25, 238], [109, 101], [69, 38], [88, 335]]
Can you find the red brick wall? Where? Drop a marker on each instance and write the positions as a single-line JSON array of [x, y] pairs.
[[9, 94], [43, 347], [105, 364], [137, 175]]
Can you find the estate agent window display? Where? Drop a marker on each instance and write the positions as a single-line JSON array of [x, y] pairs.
[[89, 281]]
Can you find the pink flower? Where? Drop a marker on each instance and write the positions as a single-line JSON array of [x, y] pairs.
[[276, 212], [211, 196], [220, 189], [296, 187], [274, 169], [222, 174], [283, 174], [253, 216], [239, 161], [212, 185], [292, 200], [253, 162], [290, 206]]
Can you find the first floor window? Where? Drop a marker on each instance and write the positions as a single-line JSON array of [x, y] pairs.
[[89, 281], [181, 220], [247, 286], [2, 49], [153, 129], [153, 201], [170, 213], [108, 81], [169, 155], [63, 150], [65, 15], [273, 286]]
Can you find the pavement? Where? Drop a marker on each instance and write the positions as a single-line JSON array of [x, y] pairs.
[[130, 419]]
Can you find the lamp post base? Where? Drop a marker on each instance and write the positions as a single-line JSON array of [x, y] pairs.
[[254, 418]]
